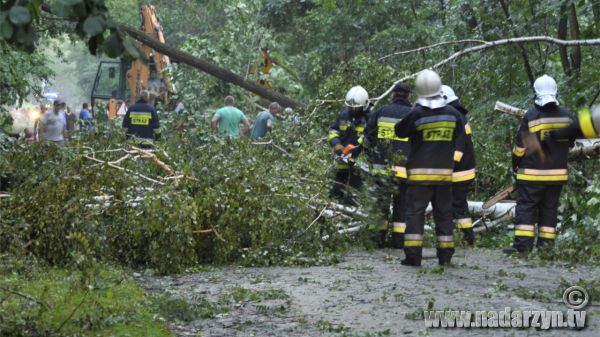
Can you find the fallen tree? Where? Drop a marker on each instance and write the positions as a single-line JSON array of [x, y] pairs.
[[488, 218], [183, 57], [207, 67]]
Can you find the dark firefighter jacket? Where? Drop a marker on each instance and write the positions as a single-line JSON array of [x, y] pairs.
[[464, 170], [436, 142], [530, 168], [347, 129], [387, 152], [141, 121]]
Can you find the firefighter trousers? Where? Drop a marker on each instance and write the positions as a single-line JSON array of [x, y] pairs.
[[460, 210], [536, 203], [417, 199], [390, 190], [344, 178]]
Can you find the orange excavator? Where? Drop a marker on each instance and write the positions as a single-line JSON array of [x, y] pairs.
[[119, 83]]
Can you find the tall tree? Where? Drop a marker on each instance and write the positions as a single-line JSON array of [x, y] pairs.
[[516, 33]]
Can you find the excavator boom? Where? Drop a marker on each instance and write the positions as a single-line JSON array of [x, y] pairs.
[[124, 82], [139, 73]]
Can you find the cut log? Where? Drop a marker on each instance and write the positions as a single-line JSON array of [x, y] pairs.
[[497, 214], [509, 109], [497, 211], [585, 149]]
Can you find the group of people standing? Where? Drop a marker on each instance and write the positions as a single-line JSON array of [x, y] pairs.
[[423, 153], [56, 123], [141, 122], [227, 121]]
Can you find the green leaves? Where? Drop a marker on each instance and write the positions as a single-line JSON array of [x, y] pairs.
[[94, 25], [89, 19], [113, 45], [132, 49]]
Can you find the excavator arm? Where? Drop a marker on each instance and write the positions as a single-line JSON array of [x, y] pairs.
[[139, 73]]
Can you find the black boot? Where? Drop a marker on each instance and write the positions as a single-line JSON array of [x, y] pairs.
[[413, 255], [413, 263], [444, 255]]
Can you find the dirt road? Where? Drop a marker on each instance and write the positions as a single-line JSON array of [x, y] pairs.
[[371, 294]]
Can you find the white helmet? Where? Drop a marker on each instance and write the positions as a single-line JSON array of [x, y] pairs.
[[428, 84], [545, 90], [448, 94], [357, 97]]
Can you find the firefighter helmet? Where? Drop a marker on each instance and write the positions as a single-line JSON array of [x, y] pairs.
[[357, 97], [545, 90], [448, 94], [428, 84]]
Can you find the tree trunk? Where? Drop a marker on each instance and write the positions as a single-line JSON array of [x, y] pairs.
[[585, 149], [521, 47], [574, 33], [499, 213], [208, 67], [562, 34]]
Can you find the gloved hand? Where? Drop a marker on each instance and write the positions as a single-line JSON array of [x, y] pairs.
[[338, 148], [352, 150], [347, 149], [513, 176]]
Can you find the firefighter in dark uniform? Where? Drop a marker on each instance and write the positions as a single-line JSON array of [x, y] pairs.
[[540, 178], [141, 122], [387, 155], [436, 136], [464, 172], [344, 134]]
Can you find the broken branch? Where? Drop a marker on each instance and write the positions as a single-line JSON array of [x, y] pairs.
[[416, 50], [154, 158], [25, 296], [509, 109], [123, 169], [491, 44]]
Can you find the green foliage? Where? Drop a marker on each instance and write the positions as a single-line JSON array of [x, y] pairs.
[[52, 302], [20, 22], [20, 74], [240, 203], [362, 70]]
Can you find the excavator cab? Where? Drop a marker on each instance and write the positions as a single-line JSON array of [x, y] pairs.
[[111, 85], [122, 82]]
